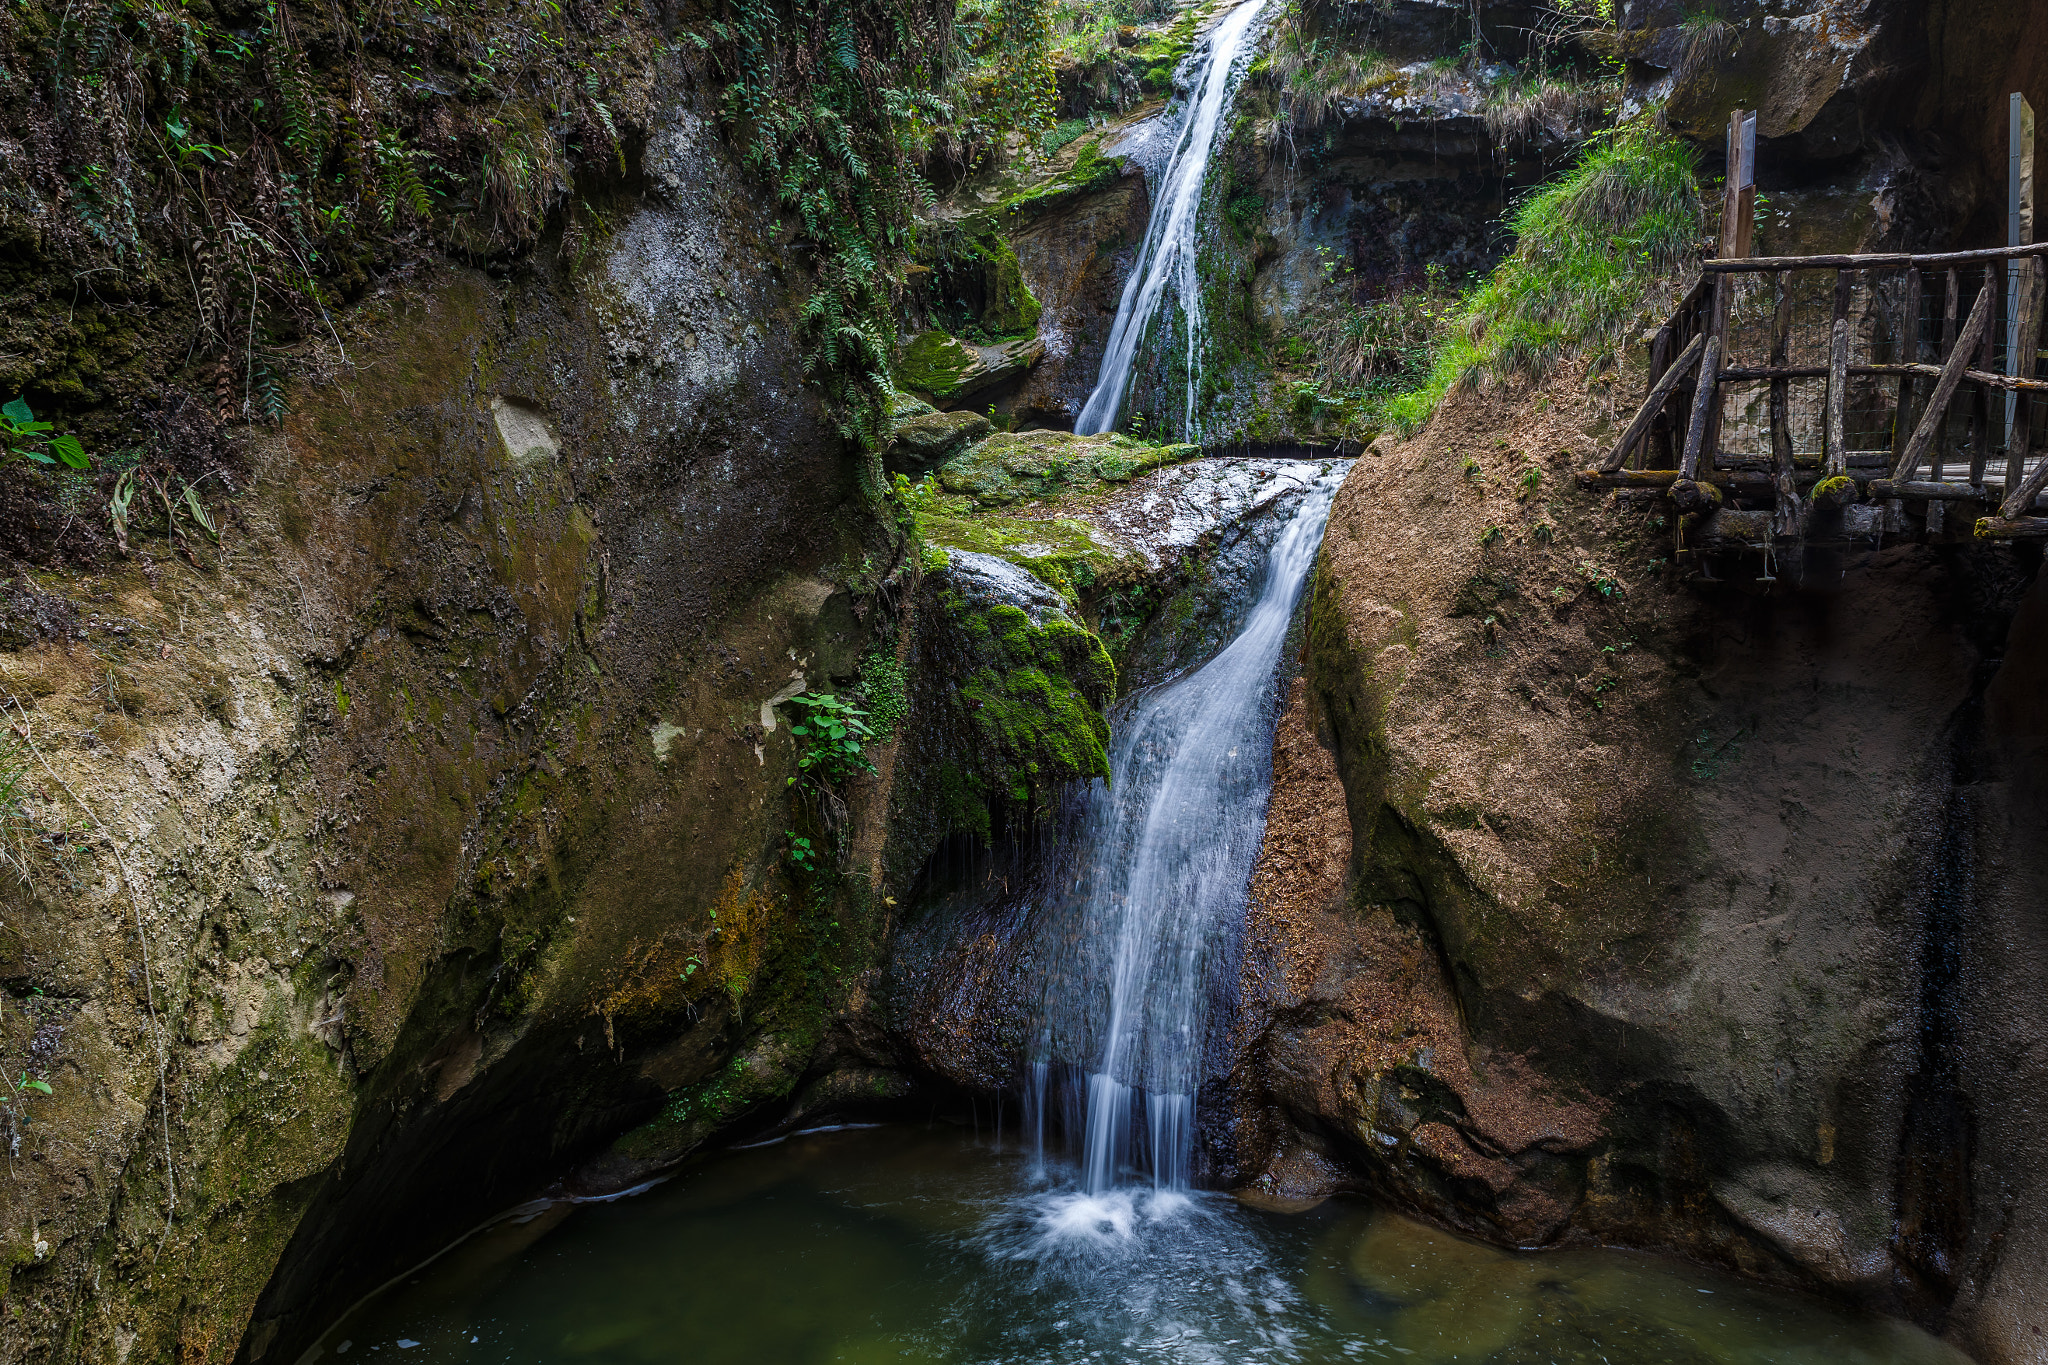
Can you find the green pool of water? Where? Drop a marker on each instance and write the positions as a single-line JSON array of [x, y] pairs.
[[911, 1247]]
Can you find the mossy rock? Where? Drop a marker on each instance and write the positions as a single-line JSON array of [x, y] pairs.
[[1012, 467], [1835, 492], [932, 437], [934, 363], [975, 285], [1065, 552], [1033, 699], [904, 406], [1012, 308], [1090, 172]]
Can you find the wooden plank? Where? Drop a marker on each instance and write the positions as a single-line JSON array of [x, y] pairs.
[[1740, 481], [1838, 377], [1945, 490], [2012, 528], [1761, 265], [1988, 378], [2022, 497], [1945, 387], [1654, 404], [1702, 408], [1660, 361]]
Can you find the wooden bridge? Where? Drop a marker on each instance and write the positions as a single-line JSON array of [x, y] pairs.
[[1797, 400]]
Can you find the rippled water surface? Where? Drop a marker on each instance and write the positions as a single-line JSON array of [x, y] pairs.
[[908, 1245]]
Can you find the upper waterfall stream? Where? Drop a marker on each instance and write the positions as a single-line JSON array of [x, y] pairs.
[[1169, 255]]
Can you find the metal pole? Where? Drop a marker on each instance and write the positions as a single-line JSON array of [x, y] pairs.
[[2019, 230]]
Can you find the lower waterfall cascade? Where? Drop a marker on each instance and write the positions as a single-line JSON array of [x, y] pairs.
[[1155, 895]]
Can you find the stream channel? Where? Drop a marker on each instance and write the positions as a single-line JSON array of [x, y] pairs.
[[918, 1245]]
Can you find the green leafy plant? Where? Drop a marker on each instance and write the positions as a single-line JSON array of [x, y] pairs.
[[14, 1096], [803, 856], [24, 438], [1600, 581], [831, 736], [185, 148]]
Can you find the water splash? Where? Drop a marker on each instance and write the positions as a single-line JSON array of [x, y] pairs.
[[1160, 864], [1169, 254]]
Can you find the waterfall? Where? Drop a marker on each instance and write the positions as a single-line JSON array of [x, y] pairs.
[[1160, 867], [1168, 256]]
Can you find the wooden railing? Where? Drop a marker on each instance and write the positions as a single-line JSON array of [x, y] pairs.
[[1948, 416]]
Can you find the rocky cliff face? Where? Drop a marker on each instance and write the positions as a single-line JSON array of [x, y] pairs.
[[389, 839]]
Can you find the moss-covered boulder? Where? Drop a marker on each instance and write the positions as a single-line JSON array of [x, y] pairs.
[[931, 438], [1011, 467], [1016, 709], [948, 370]]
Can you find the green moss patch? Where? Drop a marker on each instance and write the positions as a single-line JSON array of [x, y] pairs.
[[1090, 172], [1033, 701], [1012, 467], [933, 363]]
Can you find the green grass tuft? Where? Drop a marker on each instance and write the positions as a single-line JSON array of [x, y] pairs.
[[1588, 247]]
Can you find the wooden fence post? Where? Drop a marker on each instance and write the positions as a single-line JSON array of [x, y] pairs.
[[1909, 353], [2022, 323], [1781, 398], [1950, 296], [1738, 231]]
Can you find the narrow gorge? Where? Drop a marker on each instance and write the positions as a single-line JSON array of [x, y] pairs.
[[1009, 681]]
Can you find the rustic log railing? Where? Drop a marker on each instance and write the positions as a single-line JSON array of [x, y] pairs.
[[1697, 358]]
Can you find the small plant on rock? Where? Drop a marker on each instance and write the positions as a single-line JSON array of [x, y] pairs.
[[830, 736]]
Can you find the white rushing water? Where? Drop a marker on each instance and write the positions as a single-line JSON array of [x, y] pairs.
[[1160, 871], [1168, 257]]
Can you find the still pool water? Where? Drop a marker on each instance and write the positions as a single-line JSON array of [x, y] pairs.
[[908, 1246]]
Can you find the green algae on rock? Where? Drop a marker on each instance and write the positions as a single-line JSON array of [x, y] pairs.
[[1012, 467]]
